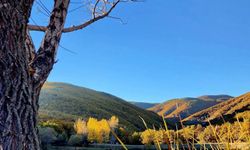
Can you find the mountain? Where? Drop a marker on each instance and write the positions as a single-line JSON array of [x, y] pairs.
[[143, 105], [185, 107], [228, 109], [67, 102]]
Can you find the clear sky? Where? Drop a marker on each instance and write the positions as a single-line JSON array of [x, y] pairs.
[[166, 49]]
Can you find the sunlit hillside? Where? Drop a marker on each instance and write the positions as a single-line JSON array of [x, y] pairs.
[[227, 110], [187, 106], [68, 102]]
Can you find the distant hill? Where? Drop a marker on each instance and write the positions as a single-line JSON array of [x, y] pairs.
[[227, 109], [143, 105], [219, 98], [187, 106], [68, 102]]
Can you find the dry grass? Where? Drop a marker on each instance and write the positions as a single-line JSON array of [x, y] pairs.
[[219, 144]]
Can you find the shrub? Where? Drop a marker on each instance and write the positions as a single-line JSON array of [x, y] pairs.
[[47, 135], [61, 139], [59, 126], [52, 124], [151, 136], [135, 138], [123, 134], [75, 140]]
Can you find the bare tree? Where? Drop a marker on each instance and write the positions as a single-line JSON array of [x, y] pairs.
[[24, 70]]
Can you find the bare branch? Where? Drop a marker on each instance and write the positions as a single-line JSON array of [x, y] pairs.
[[74, 28], [117, 18], [81, 26], [94, 10], [37, 28]]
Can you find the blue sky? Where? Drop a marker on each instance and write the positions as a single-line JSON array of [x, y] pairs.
[[166, 49]]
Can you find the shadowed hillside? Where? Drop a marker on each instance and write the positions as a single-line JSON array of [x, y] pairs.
[[68, 102], [227, 110], [187, 106], [143, 105]]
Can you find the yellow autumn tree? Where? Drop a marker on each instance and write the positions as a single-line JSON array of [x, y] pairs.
[[92, 126], [113, 122], [80, 127], [98, 131], [104, 131]]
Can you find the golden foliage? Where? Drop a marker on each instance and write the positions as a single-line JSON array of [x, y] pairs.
[[151, 136], [98, 131], [80, 127], [91, 126], [113, 122]]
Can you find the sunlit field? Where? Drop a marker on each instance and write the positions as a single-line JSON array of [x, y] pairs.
[[105, 134]]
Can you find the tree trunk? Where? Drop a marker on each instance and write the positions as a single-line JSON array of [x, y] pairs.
[[18, 92], [19, 108], [23, 71]]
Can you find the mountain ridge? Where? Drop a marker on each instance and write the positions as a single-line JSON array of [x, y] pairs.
[[187, 106], [143, 105], [227, 109]]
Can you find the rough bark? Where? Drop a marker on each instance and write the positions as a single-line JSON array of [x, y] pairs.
[[23, 71], [18, 96]]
